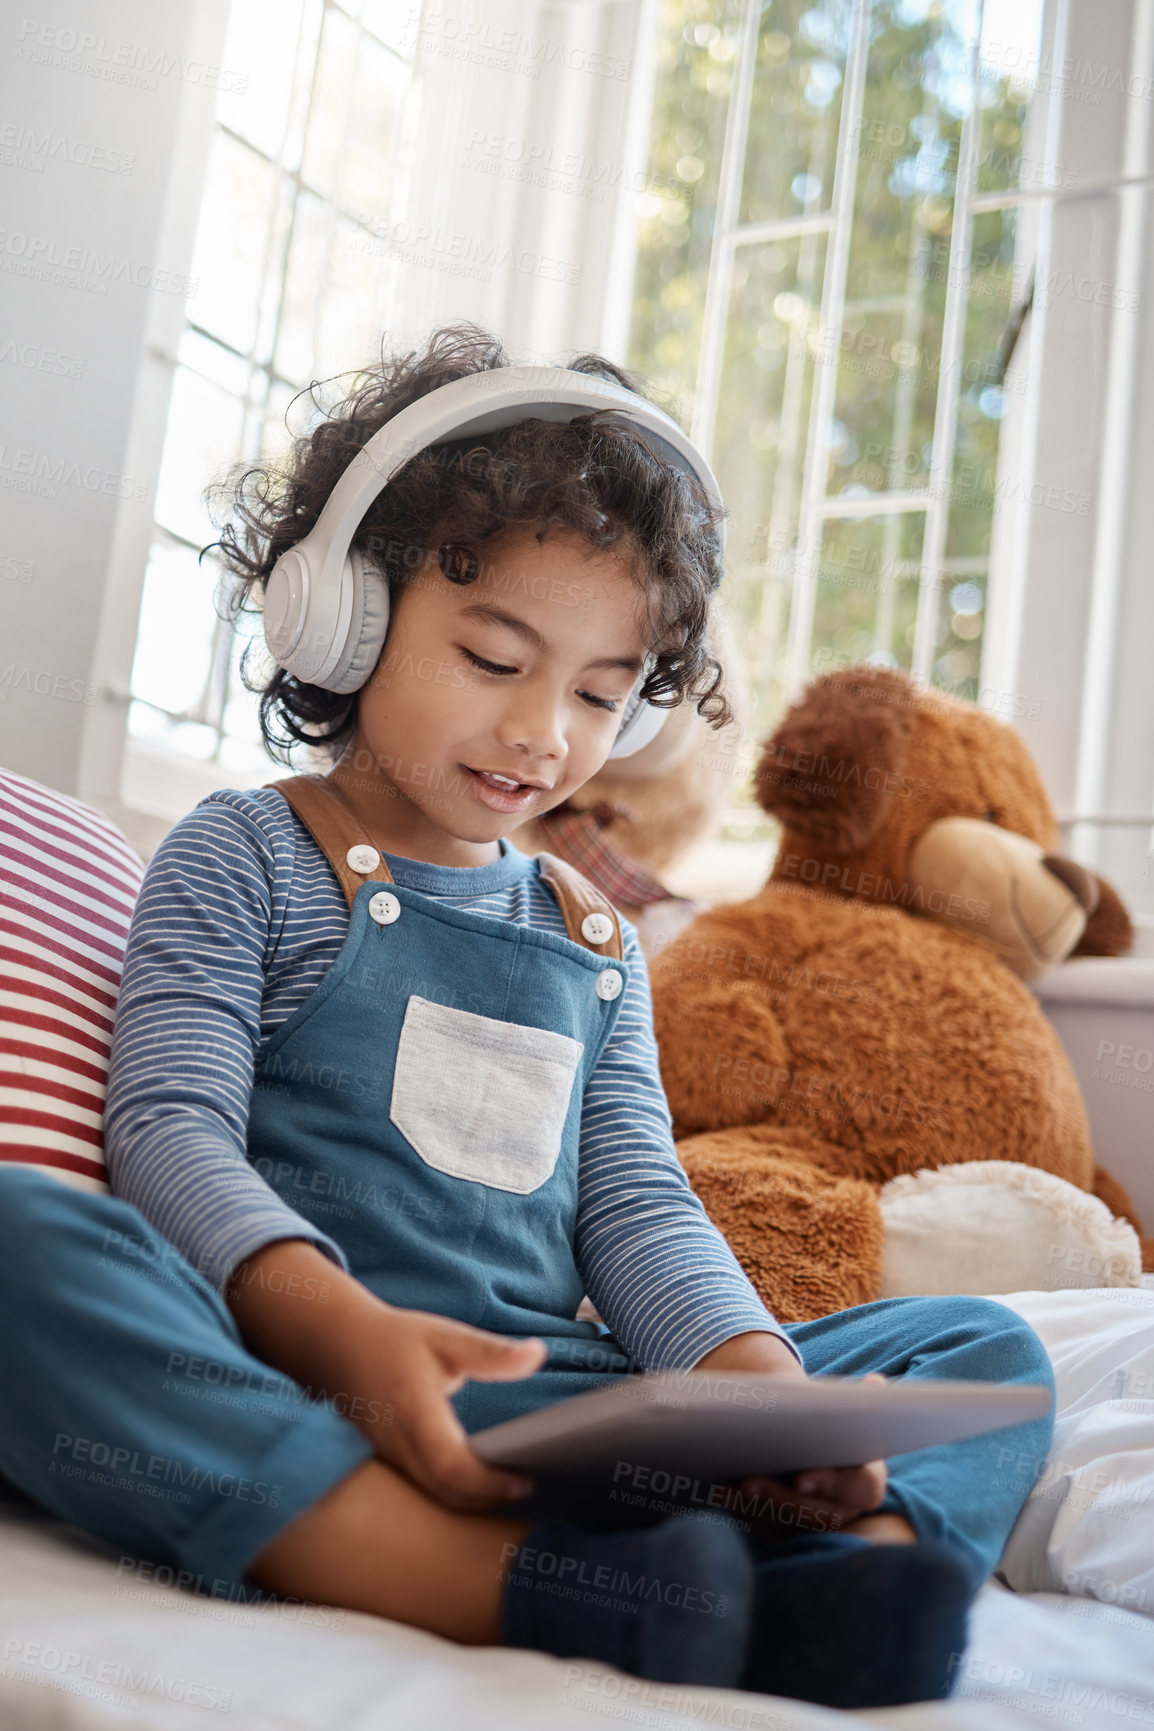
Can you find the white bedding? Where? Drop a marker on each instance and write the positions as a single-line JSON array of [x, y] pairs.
[[83, 1646]]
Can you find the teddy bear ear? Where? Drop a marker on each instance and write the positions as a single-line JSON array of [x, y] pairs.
[[1109, 930], [824, 772]]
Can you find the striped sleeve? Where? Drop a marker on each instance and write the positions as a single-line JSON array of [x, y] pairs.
[[186, 1034], [660, 1274]]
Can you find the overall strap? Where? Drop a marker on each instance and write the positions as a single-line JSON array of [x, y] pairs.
[[578, 899], [335, 828]]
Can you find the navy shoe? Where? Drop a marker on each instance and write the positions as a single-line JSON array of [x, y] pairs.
[[845, 1623], [672, 1602]]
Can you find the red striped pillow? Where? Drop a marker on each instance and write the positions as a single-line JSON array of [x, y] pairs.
[[68, 884]]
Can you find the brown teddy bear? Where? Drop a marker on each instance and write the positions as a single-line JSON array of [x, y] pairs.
[[865, 1014]]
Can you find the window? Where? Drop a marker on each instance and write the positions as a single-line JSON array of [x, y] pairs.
[[896, 263], [829, 275], [288, 285]]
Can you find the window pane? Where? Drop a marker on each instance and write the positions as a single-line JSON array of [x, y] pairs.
[[177, 623], [272, 290], [202, 440], [1011, 37], [300, 106], [995, 299], [983, 402], [867, 591], [676, 211], [349, 327], [275, 435], [368, 166], [792, 147], [230, 242], [887, 359], [201, 355], [303, 287], [759, 449], [264, 58], [329, 110]]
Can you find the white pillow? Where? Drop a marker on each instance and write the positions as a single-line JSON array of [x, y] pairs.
[[993, 1226], [1087, 1527]]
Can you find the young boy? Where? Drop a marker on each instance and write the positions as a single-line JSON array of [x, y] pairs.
[[384, 1105]]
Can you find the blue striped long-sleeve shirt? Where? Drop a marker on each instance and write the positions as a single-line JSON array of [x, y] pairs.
[[239, 918]]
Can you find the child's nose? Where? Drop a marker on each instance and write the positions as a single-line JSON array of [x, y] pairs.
[[533, 722]]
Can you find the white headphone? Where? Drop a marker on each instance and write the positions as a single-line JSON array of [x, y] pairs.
[[326, 609]]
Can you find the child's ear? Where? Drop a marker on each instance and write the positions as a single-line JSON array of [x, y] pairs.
[[824, 772]]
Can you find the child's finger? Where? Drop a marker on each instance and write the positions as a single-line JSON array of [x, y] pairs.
[[839, 1492], [439, 1458], [856, 1487], [819, 1484], [483, 1357], [777, 1506]]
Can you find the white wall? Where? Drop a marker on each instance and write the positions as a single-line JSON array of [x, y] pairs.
[[91, 267]]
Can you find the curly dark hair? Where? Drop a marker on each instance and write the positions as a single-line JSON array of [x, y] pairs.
[[593, 475]]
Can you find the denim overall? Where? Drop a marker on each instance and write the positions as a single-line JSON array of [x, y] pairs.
[[423, 1106]]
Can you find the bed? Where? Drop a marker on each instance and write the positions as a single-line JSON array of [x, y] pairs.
[[1064, 1634]]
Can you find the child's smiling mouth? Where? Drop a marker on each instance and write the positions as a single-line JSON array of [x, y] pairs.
[[501, 792]]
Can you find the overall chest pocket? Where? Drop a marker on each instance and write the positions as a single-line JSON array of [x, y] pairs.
[[482, 1099]]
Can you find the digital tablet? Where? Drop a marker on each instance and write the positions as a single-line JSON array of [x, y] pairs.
[[645, 1444]]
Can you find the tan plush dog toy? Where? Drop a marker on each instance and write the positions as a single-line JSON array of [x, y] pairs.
[[865, 1015]]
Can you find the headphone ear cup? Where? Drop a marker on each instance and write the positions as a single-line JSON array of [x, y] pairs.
[[639, 731], [642, 721], [367, 627]]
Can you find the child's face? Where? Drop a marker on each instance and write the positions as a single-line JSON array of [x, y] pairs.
[[522, 673]]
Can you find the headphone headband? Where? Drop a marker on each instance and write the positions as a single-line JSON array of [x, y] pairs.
[[326, 610]]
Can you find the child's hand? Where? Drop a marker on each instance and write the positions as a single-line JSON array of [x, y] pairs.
[[821, 1500], [818, 1499], [813, 1500], [409, 1363], [389, 1371]]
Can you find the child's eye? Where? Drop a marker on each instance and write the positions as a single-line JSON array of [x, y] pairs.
[[488, 666], [496, 667]]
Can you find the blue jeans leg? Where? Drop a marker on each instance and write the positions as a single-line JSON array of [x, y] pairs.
[[967, 1494], [132, 1408]]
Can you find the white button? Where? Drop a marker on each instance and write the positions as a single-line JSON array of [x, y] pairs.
[[362, 858], [608, 983], [598, 928], [384, 908]]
